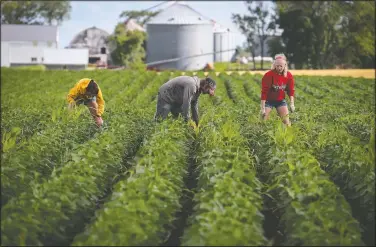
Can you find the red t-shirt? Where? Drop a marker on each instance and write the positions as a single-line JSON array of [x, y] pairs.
[[279, 83]]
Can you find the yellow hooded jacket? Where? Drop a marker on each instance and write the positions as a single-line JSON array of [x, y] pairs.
[[78, 91]]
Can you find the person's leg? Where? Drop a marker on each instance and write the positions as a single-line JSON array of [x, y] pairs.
[[162, 109], [283, 112], [175, 111], [268, 109]]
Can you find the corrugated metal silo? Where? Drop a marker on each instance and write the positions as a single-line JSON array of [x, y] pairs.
[[223, 40], [176, 32]]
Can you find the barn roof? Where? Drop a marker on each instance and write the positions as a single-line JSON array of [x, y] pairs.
[[92, 38], [22, 32]]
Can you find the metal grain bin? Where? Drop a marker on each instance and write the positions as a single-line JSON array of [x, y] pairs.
[[179, 32], [223, 42]]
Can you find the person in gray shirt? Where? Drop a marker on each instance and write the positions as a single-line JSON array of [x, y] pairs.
[[180, 95]]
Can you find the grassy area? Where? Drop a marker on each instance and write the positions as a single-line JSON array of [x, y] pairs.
[[31, 67]]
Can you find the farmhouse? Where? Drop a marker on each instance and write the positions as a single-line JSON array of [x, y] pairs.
[[23, 45]]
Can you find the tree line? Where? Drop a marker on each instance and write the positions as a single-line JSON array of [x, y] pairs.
[[316, 34]]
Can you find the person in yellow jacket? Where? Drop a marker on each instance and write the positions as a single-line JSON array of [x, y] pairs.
[[87, 92]]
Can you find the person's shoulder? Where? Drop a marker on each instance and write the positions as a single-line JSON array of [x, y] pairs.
[[190, 80], [289, 75], [268, 73], [83, 81], [182, 78]]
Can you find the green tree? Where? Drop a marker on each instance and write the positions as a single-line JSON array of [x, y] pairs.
[[308, 31], [245, 27], [140, 16], [34, 12], [129, 46], [258, 23], [357, 43], [275, 45], [322, 34]]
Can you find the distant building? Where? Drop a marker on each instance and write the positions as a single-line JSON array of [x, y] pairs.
[[179, 38], [131, 25], [23, 45], [224, 43], [96, 41]]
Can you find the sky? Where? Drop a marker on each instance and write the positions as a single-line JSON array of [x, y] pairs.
[[105, 15]]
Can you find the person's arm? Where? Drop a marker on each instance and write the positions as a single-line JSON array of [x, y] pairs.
[[100, 102], [290, 92], [262, 105], [195, 116], [265, 87], [187, 97], [73, 93]]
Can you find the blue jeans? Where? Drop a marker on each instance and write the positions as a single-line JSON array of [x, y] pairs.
[[275, 104], [80, 101]]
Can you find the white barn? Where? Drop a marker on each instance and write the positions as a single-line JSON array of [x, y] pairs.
[[38, 45]]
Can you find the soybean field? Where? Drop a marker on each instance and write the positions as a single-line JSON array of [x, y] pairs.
[[234, 180]]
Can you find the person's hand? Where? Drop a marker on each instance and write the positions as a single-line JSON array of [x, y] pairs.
[[262, 112], [195, 126], [99, 121], [292, 107], [71, 106], [192, 124]]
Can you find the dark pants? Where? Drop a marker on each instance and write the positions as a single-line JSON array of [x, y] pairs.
[[164, 108]]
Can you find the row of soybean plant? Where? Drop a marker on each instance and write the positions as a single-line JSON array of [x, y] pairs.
[[47, 149], [227, 201], [57, 209], [352, 98], [148, 197], [348, 160], [29, 100], [357, 103], [311, 208]]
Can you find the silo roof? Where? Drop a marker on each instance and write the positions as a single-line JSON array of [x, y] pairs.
[[218, 28], [177, 14]]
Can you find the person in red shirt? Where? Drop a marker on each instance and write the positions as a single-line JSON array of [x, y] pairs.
[[275, 83]]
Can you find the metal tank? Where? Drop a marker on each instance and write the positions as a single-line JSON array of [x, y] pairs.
[[182, 35], [224, 43]]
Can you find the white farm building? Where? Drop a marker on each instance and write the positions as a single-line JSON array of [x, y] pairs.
[[23, 45]]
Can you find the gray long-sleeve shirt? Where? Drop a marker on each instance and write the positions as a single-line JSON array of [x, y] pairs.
[[183, 91]]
